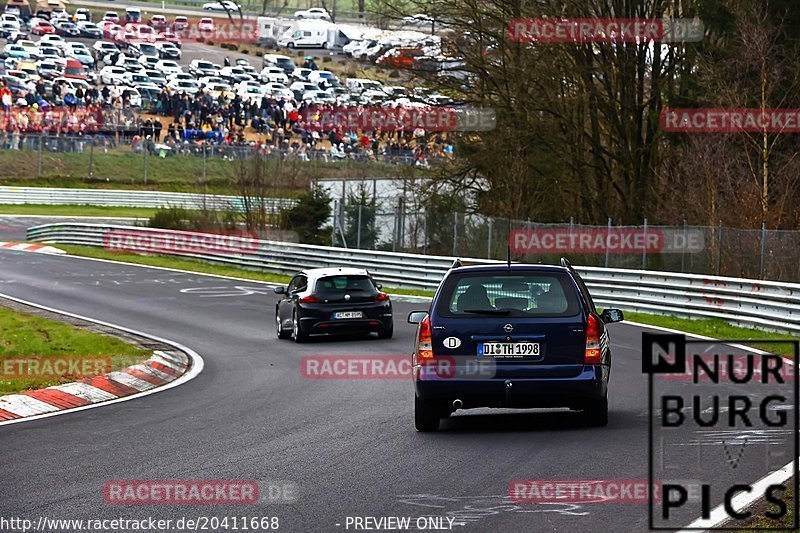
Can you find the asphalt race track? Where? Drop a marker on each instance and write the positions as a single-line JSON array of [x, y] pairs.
[[348, 445]]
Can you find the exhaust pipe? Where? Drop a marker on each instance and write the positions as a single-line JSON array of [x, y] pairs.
[[457, 404]]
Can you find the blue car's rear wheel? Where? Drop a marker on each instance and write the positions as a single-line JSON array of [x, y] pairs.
[[426, 416], [596, 413]]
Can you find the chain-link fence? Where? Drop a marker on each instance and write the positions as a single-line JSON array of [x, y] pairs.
[[132, 158], [747, 253]]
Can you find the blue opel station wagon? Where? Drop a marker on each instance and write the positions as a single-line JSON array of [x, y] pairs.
[[511, 336]]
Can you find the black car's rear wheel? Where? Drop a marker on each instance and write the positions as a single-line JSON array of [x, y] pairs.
[[426, 416], [297, 333], [387, 332], [282, 334]]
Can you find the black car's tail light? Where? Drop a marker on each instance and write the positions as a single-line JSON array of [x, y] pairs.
[[593, 354], [310, 299], [382, 297]]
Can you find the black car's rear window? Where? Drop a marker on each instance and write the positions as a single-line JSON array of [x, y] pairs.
[[346, 284], [539, 294]]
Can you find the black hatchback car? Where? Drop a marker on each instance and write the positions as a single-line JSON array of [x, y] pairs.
[[332, 300], [519, 336]]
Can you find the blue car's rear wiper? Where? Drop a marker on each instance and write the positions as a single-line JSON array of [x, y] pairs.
[[488, 311]]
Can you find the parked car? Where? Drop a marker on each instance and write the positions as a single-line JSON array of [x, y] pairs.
[[66, 28], [168, 66], [313, 13], [156, 76], [159, 22], [181, 23], [15, 51], [323, 78], [167, 50], [278, 91], [186, 86], [521, 336], [324, 301], [284, 62], [111, 16], [42, 27], [299, 88], [271, 74], [201, 67], [206, 27], [90, 30], [222, 5], [112, 75], [234, 74]]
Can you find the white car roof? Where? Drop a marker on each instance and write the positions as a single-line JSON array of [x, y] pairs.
[[316, 273]]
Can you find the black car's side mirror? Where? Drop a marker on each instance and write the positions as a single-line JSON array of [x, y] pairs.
[[609, 316], [415, 317], [379, 286], [280, 290]]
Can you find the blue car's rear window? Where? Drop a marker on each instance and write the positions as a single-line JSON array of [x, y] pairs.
[[540, 294]]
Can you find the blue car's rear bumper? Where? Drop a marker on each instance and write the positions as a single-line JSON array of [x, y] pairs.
[[589, 385]]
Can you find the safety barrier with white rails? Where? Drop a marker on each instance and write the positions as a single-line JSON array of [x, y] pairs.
[[751, 303], [127, 198]]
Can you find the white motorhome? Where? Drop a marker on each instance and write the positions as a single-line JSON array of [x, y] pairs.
[[271, 28], [308, 34]]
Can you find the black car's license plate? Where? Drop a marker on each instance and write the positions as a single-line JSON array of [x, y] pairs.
[[516, 350], [348, 314]]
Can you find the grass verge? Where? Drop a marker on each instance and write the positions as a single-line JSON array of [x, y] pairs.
[[75, 210], [716, 328], [199, 266], [27, 338]]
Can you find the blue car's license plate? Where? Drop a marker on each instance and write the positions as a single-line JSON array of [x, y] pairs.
[[508, 349]]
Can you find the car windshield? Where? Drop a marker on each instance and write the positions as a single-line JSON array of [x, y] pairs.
[[346, 284], [541, 294]]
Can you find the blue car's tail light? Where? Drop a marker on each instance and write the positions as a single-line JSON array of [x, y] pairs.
[[425, 341], [593, 354]]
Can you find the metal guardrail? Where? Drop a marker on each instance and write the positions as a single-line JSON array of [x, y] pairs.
[[750, 303], [126, 198]]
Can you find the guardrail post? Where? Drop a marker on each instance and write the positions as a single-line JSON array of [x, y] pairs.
[[762, 271], [425, 232], [358, 231], [489, 245], [39, 156], [644, 250], [455, 233], [91, 157], [333, 226], [607, 234], [204, 162], [144, 151], [719, 249], [683, 248]]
